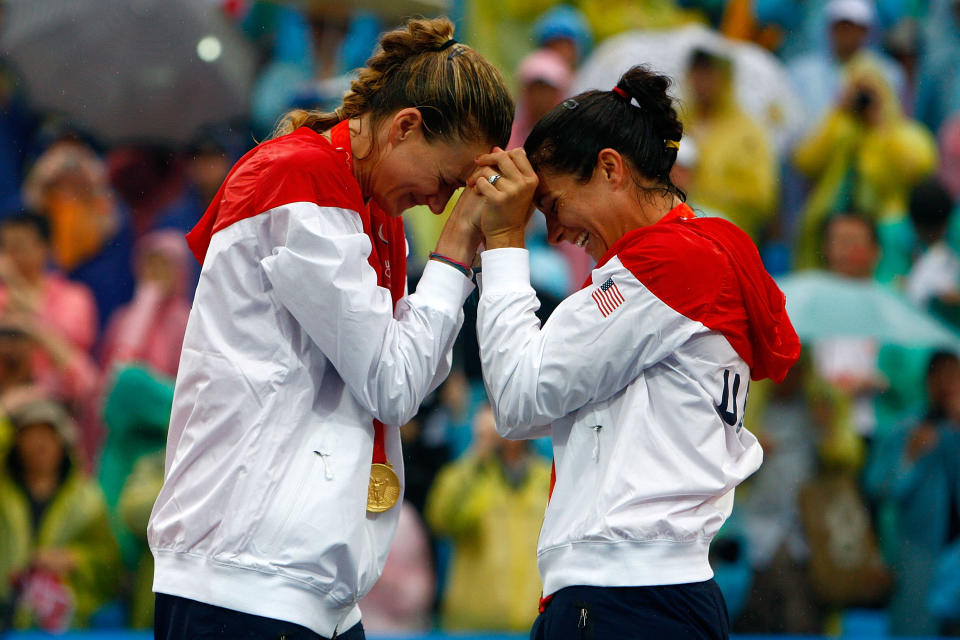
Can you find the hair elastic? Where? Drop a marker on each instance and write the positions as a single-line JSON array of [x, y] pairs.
[[620, 92], [671, 144], [446, 45]]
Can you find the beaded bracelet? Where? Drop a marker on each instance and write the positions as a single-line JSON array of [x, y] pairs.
[[459, 266]]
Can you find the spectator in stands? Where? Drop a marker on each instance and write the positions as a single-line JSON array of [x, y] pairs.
[[136, 411], [949, 139], [58, 560], [929, 225], [53, 318], [934, 280], [30, 289], [543, 78], [865, 156], [16, 370], [71, 377], [149, 330], [850, 364], [818, 76], [565, 31], [938, 86], [781, 599], [208, 161], [915, 468], [491, 503], [16, 382], [136, 501], [91, 236], [736, 170]]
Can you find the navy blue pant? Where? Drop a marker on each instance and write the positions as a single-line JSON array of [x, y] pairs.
[[182, 619], [693, 611]]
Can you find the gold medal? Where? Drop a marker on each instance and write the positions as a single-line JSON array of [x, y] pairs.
[[384, 489]]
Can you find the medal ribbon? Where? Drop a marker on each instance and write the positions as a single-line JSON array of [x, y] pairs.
[[388, 256]]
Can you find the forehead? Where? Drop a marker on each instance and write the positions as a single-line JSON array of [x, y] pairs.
[[37, 429], [457, 158], [553, 184], [849, 228]]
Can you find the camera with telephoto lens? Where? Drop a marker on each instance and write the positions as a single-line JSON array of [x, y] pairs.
[[862, 101]]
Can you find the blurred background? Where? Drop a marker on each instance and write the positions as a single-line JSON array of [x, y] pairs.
[[829, 130]]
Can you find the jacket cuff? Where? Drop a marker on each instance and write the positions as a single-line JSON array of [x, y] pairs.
[[443, 287], [506, 270]]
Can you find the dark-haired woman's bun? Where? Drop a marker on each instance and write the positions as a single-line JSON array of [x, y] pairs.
[[637, 118], [649, 89]]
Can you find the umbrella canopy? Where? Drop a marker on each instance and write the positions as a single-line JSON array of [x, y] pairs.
[[389, 10], [823, 305], [130, 70], [760, 80]]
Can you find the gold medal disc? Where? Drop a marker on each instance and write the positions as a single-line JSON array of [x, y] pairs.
[[384, 488]]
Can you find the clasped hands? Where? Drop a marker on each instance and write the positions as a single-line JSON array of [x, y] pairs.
[[498, 209]]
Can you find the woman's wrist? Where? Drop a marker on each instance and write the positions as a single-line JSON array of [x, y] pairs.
[[505, 238], [458, 241]]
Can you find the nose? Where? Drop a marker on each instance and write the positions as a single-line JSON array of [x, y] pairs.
[[554, 231], [438, 202]]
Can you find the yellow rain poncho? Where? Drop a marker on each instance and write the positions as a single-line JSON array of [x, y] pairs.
[[861, 166]]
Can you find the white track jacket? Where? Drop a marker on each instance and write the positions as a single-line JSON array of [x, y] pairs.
[[640, 379], [292, 349]]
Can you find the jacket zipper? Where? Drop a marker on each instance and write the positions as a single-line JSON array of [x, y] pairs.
[[582, 624], [596, 444], [327, 469]]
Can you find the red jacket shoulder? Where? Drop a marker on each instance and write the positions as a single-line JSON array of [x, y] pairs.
[[684, 270]]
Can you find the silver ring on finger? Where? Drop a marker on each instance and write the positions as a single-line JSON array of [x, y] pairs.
[[493, 179]]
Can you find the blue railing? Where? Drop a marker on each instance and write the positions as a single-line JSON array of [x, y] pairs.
[[146, 635]]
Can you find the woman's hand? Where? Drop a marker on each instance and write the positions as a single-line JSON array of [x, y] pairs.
[[508, 200], [468, 211], [461, 234]]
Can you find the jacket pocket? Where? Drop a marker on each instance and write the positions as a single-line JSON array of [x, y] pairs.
[[304, 487]]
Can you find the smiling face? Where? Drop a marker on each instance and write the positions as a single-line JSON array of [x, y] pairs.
[[593, 214], [413, 171]]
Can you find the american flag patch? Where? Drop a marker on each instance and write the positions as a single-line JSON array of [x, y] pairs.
[[608, 297]]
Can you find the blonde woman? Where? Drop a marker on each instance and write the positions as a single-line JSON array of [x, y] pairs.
[[303, 352]]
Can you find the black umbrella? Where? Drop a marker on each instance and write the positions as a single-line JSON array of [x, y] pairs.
[[130, 70]]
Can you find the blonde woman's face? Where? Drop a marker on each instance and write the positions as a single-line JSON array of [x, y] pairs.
[[414, 172]]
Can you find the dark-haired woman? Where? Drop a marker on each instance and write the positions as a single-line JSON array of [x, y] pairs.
[[640, 378], [303, 354]]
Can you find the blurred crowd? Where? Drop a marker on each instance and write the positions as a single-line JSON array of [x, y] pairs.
[[829, 131]]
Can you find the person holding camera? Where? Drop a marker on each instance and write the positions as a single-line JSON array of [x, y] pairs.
[[818, 75], [864, 156]]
